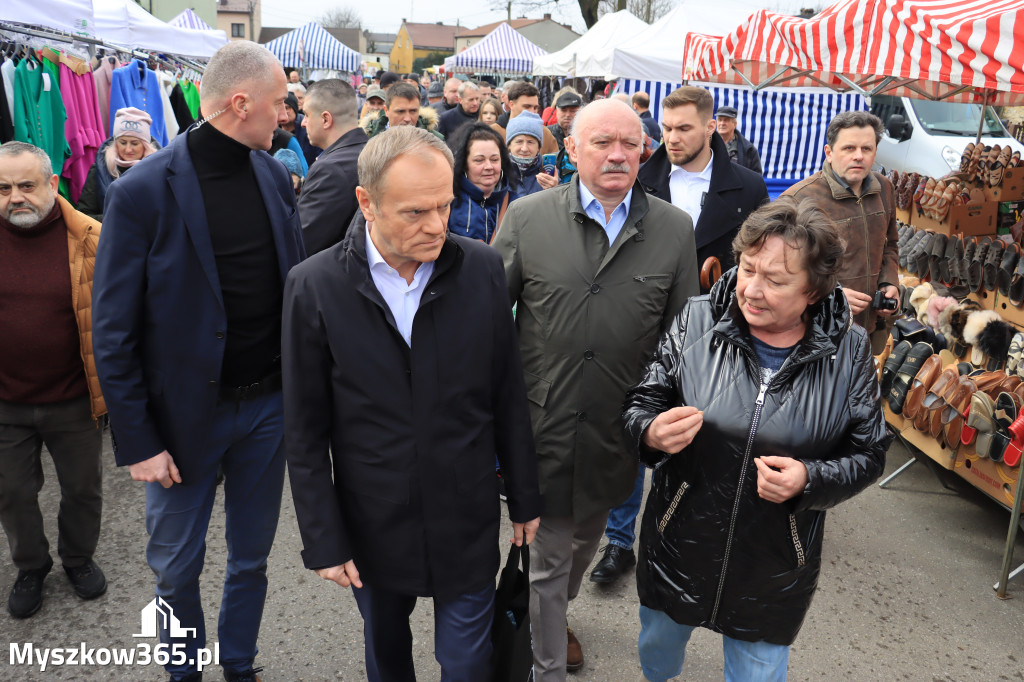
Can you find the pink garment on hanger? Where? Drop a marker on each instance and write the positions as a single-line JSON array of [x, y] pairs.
[[82, 127], [102, 76]]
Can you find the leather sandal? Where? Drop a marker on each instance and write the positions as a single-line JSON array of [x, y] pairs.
[[905, 375], [992, 261], [1007, 407], [1016, 292], [926, 376], [976, 268], [989, 382], [955, 261], [892, 365], [1016, 353], [936, 256], [933, 398], [1011, 256], [979, 417], [957, 398]]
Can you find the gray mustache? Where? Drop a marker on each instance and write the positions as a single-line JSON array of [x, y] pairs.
[[615, 168]]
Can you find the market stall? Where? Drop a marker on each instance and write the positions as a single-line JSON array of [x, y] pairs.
[[125, 23], [962, 270], [580, 58], [191, 20], [502, 52], [311, 47]]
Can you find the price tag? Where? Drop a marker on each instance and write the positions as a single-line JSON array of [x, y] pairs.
[[46, 82]]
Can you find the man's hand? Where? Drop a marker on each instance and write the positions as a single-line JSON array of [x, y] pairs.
[[859, 302], [784, 484], [673, 430], [345, 575], [528, 529], [157, 469], [546, 181], [893, 293]]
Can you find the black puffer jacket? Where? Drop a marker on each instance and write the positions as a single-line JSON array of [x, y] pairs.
[[713, 553]]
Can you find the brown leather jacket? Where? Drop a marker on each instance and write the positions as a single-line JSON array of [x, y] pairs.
[[867, 223], [83, 236]]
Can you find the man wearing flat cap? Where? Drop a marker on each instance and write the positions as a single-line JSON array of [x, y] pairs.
[[741, 150]]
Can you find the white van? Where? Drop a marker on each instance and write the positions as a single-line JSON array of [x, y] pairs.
[[926, 137]]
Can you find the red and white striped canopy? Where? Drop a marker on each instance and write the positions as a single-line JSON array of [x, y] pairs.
[[957, 50]]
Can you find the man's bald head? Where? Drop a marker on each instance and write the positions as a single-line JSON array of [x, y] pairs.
[[599, 109], [232, 68]]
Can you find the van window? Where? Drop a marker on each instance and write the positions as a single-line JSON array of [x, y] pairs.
[[949, 118], [884, 106]]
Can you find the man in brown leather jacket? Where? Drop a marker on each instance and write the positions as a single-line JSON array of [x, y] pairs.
[[863, 206]]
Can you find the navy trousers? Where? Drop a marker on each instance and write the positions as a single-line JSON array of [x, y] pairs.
[[462, 635]]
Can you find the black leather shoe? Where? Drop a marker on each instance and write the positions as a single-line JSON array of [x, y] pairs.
[[87, 579], [247, 676], [27, 592], [615, 562]]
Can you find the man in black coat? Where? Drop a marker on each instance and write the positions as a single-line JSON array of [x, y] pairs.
[[642, 106], [402, 384], [692, 170], [741, 150], [328, 198], [465, 112]]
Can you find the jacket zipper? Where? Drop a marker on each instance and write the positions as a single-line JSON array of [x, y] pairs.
[[683, 487], [758, 406], [797, 545]]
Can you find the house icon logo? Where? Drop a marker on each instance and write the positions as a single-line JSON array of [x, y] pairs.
[[159, 613]]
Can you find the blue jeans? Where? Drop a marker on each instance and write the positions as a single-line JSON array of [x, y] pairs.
[[462, 635], [663, 648], [246, 441], [621, 528]]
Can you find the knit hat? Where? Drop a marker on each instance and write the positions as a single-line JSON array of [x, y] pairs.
[[526, 123], [290, 160], [292, 102], [132, 122]]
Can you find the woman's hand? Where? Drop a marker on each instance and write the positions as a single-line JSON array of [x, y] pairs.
[[546, 181], [673, 430], [780, 478]]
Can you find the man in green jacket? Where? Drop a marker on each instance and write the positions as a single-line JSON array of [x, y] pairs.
[[598, 270]]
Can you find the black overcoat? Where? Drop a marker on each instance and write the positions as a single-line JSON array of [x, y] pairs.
[[391, 449]]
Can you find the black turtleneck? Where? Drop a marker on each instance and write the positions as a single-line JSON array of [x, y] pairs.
[[243, 245]]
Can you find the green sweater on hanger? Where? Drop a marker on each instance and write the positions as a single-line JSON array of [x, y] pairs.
[[39, 112]]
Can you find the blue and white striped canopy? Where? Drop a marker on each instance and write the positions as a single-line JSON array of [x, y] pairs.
[[189, 19], [787, 125], [502, 51], [312, 47]]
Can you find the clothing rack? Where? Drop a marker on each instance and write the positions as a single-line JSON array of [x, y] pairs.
[[178, 63]]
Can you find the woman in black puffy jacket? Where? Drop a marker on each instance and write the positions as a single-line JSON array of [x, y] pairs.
[[759, 411]]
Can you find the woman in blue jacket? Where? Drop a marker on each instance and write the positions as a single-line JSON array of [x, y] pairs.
[[482, 190]]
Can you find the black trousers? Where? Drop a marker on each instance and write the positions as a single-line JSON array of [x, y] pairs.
[[75, 444]]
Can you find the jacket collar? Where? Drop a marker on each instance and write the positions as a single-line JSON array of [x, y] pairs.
[[637, 208], [830, 319], [353, 137], [476, 195], [841, 191], [78, 224]]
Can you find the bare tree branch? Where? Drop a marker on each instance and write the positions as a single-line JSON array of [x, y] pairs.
[[648, 11], [340, 17]]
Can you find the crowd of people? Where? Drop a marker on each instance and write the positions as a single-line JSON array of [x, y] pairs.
[[429, 299]]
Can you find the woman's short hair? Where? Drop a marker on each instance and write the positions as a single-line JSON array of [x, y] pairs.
[[464, 139], [803, 227]]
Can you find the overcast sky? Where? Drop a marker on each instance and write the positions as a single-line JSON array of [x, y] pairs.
[[385, 16]]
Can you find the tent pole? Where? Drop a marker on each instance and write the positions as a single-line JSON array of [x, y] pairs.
[[981, 121]]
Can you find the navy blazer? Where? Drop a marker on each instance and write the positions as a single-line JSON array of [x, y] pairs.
[[158, 316], [734, 193]]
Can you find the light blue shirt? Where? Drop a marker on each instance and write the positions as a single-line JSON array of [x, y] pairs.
[[403, 298], [593, 208]]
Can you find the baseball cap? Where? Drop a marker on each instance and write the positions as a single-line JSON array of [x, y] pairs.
[[568, 99], [375, 91]]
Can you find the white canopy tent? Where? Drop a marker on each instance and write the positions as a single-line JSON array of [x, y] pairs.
[[580, 57], [656, 53], [73, 16], [124, 23]]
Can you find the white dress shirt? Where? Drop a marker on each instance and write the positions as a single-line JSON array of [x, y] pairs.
[[688, 190], [593, 208], [403, 298]]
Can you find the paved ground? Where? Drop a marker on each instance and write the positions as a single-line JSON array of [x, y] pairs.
[[905, 594]]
